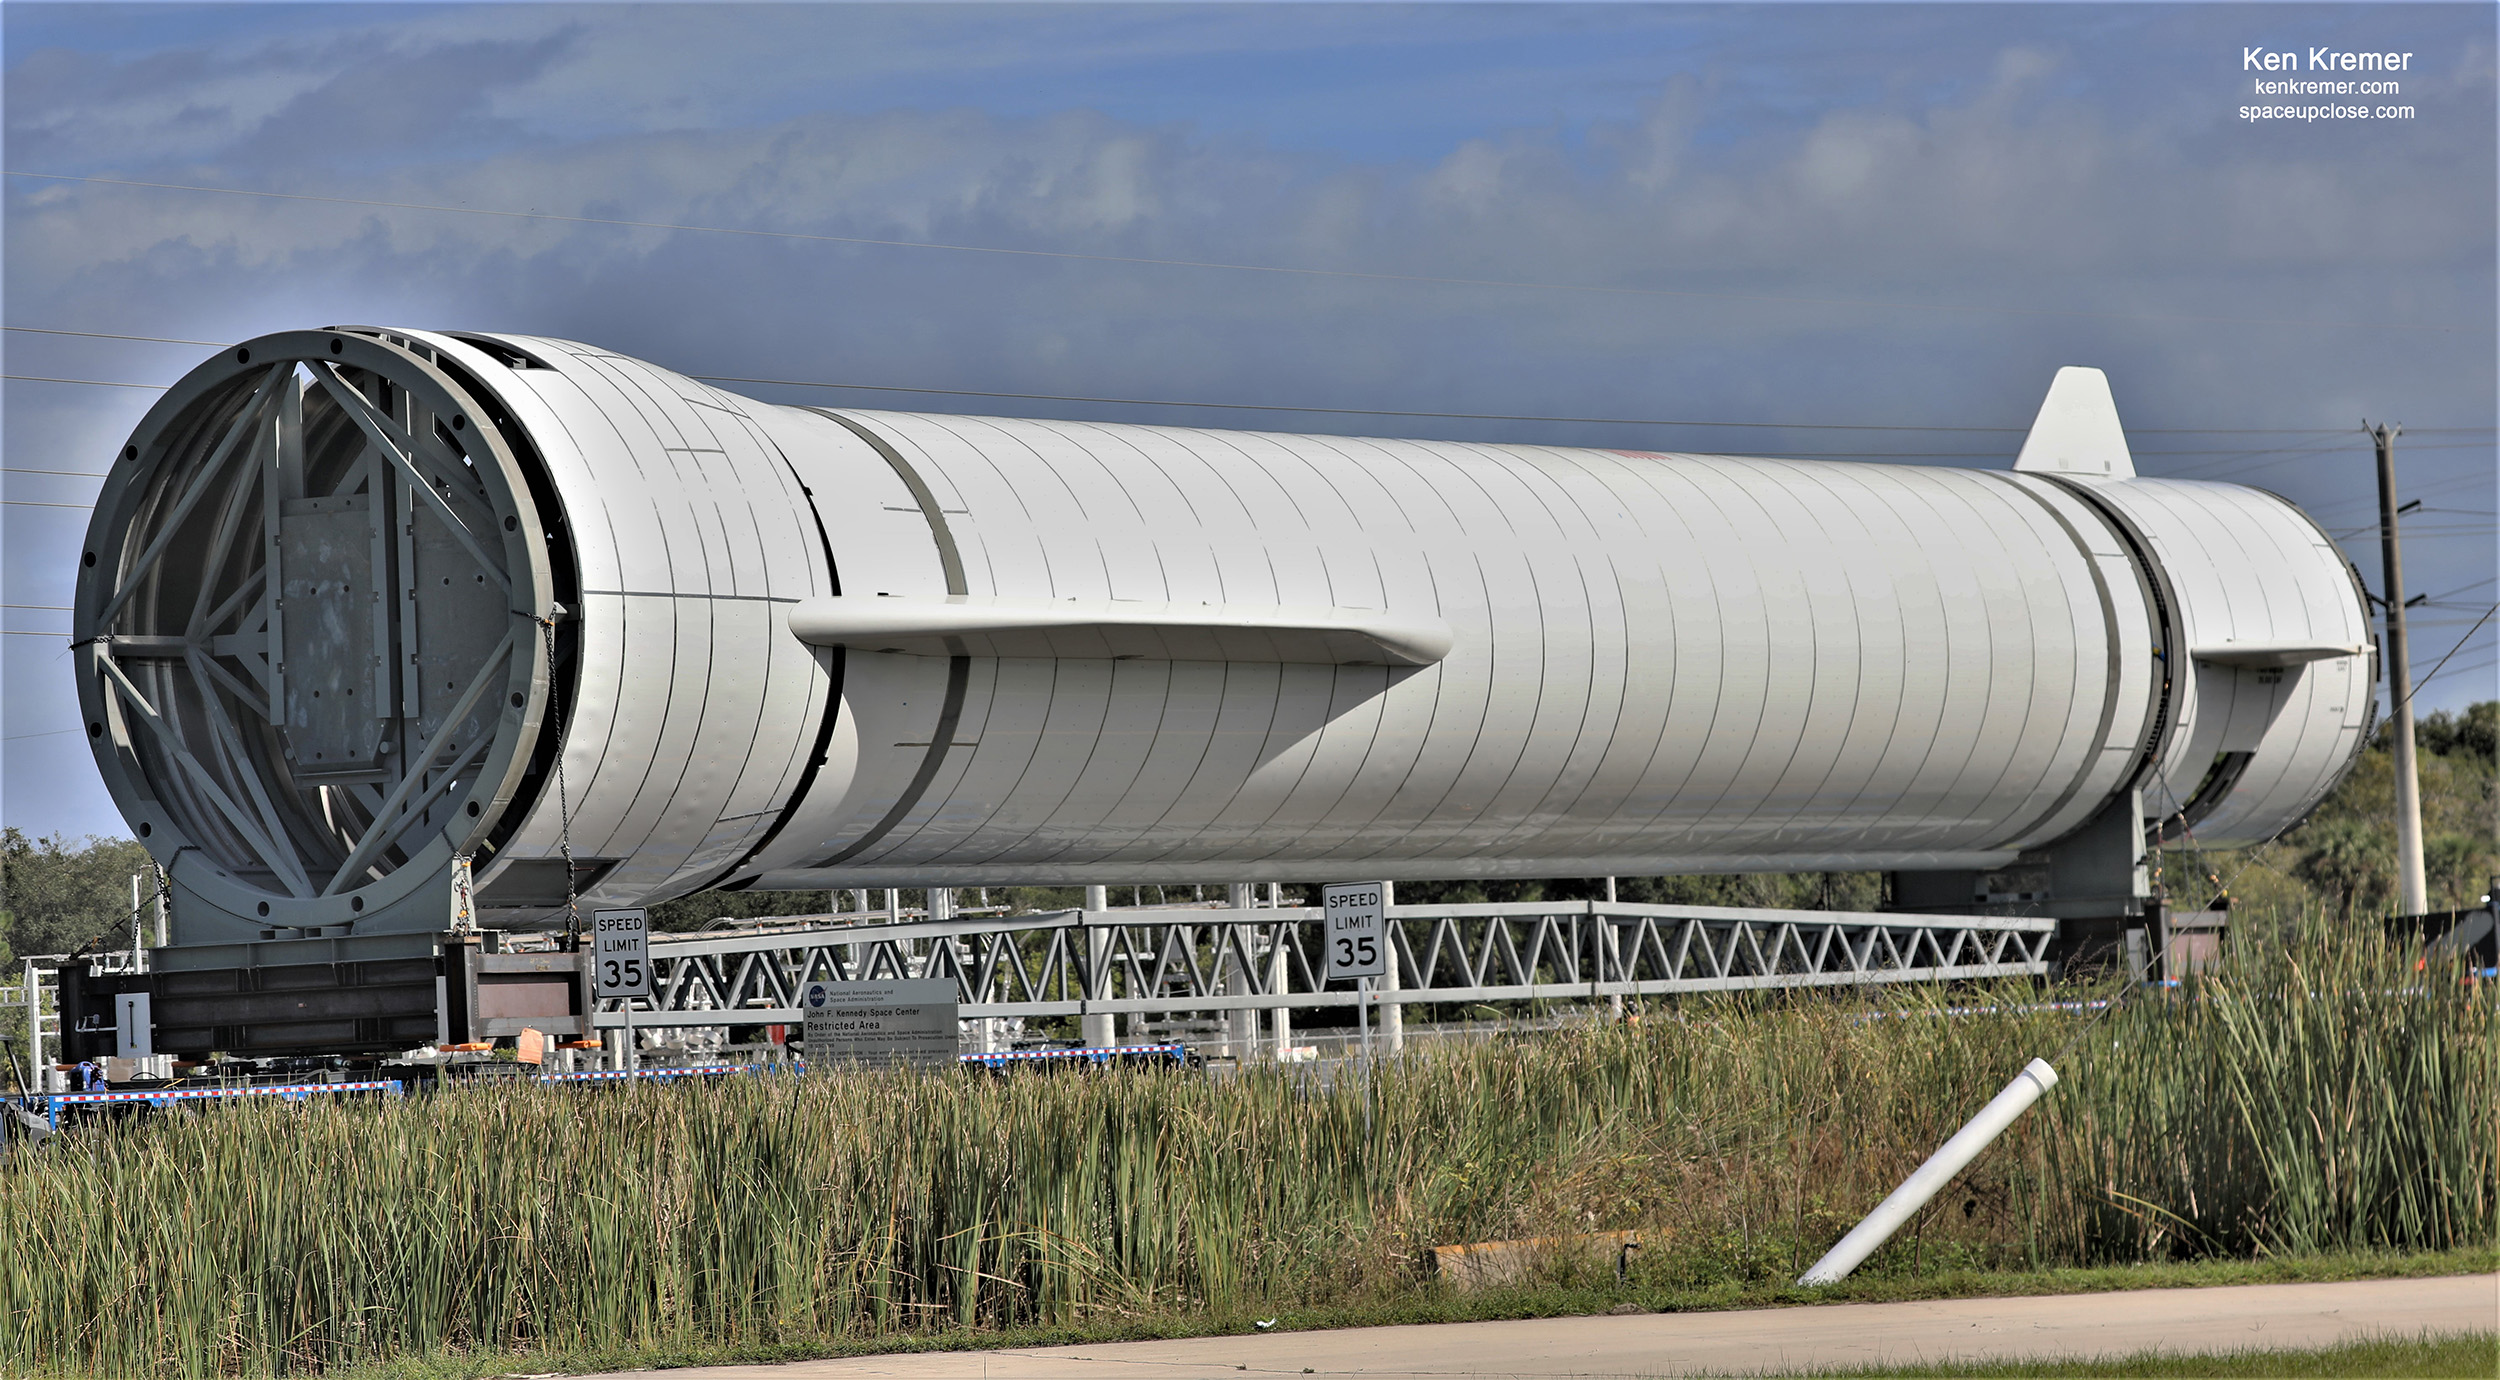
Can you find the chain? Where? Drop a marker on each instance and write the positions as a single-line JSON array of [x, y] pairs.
[[564, 805], [2161, 835], [463, 895], [164, 893], [2211, 869]]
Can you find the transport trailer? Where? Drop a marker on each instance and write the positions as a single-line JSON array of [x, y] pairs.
[[448, 989], [56, 1107], [1159, 1056], [151, 1095], [1177, 1056]]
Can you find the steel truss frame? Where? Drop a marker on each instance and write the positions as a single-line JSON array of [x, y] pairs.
[[186, 642], [1067, 963]]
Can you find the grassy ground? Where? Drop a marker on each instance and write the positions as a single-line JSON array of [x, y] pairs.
[[2311, 1102], [1435, 1305], [2466, 1356]]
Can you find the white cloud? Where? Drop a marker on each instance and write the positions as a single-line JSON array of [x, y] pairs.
[[2001, 174]]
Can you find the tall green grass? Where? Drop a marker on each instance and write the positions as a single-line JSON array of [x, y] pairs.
[[2321, 1097]]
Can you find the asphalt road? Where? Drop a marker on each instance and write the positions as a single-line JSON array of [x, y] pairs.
[[1764, 1340]]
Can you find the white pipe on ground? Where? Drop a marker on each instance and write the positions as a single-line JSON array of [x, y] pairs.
[[1929, 1178]]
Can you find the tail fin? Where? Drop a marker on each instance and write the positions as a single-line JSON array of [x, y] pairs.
[[2077, 431]]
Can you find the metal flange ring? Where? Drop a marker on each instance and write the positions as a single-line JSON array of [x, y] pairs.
[[306, 626]]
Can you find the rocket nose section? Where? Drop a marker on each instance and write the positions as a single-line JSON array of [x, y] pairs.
[[2077, 431]]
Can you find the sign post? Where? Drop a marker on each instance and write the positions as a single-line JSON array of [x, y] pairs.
[[908, 1023], [621, 963], [1354, 944]]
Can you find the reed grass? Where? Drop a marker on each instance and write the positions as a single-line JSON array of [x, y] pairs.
[[2320, 1096]]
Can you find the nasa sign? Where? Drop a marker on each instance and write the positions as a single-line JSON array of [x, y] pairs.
[[880, 1024]]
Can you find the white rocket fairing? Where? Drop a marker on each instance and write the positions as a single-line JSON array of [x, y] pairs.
[[804, 647]]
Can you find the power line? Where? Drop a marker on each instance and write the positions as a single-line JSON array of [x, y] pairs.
[[1151, 402], [91, 383], [2354, 533], [1241, 407], [108, 335], [2238, 462], [1353, 411], [1378, 412], [2482, 664], [2431, 490], [1526, 417], [1281, 270], [2329, 435], [31, 503], [2452, 651], [73, 474]]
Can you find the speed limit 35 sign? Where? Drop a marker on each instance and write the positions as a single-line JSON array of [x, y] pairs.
[[1356, 930], [621, 952]]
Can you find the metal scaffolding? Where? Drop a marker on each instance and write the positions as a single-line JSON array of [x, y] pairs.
[[1162, 962]]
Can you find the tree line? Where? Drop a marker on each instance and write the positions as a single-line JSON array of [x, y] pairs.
[[58, 895]]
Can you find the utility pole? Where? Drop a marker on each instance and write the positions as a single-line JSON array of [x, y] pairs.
[[2412, 894]]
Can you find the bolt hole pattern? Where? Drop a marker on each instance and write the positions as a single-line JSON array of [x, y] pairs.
[[146, 828], [338, 346], [516, 699], [91, 558], [356, 903], [95, 730], [264, 907], [245, 357], [473, 810]]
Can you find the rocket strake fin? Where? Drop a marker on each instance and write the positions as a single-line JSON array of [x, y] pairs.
[[976, 625], [2077, 431]]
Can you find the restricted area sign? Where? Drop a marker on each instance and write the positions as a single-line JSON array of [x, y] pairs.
[[1355, 930], [880, 1024], [621, 952]]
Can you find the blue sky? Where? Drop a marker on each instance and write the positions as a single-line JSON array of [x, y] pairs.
[[1905, 215]]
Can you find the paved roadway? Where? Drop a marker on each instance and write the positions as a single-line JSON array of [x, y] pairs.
[[1764, 1340]]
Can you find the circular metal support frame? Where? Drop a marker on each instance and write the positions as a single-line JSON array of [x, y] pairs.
[[307, 627]]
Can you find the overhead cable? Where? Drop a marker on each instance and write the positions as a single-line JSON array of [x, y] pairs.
[[1282, 270], [2330, 436]]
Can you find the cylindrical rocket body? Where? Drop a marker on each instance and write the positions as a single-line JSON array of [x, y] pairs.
[[1658, 664], [1654, 663]]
